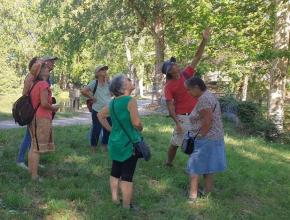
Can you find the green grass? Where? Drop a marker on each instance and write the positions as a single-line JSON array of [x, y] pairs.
[[6, 106], [255, 185]]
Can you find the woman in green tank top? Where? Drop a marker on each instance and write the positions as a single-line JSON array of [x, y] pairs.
[[125, 122]]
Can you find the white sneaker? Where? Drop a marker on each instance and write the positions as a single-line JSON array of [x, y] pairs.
[[41, 166], [22, 165]]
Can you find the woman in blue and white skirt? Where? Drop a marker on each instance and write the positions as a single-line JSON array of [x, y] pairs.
[[209, 155]]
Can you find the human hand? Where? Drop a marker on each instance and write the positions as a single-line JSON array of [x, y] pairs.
[[206, 33], [55, 108], [179, 129], [140, 128]]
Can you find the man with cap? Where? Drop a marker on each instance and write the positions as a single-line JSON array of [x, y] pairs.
[[101, 98], [28, 83], [179, 102]]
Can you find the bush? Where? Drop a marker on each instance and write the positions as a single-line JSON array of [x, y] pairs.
[[229, 104], [254, 122], [251, 118]]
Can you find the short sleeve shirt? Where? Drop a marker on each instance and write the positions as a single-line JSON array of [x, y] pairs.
[[175, 91], [102, 95], [35, 98], [207, 101]]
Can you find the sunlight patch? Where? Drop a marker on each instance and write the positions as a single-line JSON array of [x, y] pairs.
[[250, 155], [76, 159], [158, 186]]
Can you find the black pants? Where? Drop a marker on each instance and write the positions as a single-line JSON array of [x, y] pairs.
[[124, 170]]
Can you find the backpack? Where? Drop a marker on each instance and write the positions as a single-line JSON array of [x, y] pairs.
[[23, 111], [90, 102]]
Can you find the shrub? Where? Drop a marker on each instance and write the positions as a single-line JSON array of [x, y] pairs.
[[254, 122], [251, 118]]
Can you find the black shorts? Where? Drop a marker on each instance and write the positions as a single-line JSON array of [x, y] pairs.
[[124, 170]]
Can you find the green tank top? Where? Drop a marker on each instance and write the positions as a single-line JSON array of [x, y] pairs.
[[120, 147]]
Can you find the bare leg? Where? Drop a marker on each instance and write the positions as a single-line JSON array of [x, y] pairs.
[[171, 154], [208, 178], [114, 183], [193, 186], [33, 160], [127, 193]]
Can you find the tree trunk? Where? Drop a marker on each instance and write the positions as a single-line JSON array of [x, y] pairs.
[[280, 65], [245, 88], [141, 69], [159, 58], [131, 67]]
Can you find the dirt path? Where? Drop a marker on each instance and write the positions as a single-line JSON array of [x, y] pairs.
[[83, 118]]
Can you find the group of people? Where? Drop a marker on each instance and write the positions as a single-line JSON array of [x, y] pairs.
[[192, 107]]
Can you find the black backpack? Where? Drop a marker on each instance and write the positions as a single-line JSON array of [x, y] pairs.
[[23, 111]]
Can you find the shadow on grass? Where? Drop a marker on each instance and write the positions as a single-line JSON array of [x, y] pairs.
[[255, 184]]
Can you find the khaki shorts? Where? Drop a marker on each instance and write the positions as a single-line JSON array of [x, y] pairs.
[[177, 138]]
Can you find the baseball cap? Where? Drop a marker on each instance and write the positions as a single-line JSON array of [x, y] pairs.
[[101, 67], [49, 58], [167, 65]]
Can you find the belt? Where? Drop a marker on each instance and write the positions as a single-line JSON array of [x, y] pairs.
[[185, 114]]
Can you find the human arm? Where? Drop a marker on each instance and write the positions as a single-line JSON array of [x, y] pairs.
[[171, 110], [87, 91], [206, 121], [102, 116], [170, 106], [28, 82], [44, 101], [199, 52], [134, 115]]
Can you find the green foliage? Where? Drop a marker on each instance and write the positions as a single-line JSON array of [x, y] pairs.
[[254, 122], [229, 103], [252, 118]]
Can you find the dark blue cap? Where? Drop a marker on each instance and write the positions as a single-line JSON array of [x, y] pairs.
[[167, 65]]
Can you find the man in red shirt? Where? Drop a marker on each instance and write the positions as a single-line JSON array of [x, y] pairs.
[[179, 102]]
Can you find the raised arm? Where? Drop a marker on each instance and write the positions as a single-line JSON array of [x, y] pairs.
[[200, 49]]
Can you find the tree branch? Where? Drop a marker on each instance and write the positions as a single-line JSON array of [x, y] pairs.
[[143, 22]]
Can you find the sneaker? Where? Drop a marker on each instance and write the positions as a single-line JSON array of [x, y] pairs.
[[22, 165], [134, 208], [37, 179], [41, 166], [168, 164], [191, 200], [201, 193]]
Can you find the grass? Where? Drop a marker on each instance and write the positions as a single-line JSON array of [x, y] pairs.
[[255, 185], [6, 106]]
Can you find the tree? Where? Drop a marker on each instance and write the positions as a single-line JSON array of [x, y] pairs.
[[280, 65]]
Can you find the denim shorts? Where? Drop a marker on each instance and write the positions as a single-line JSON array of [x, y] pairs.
[[208, 157]]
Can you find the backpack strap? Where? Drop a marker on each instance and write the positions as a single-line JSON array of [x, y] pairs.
[[95, 88], [35, 110]]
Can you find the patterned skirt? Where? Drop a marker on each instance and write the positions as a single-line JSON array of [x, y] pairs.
[[41, 135]]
